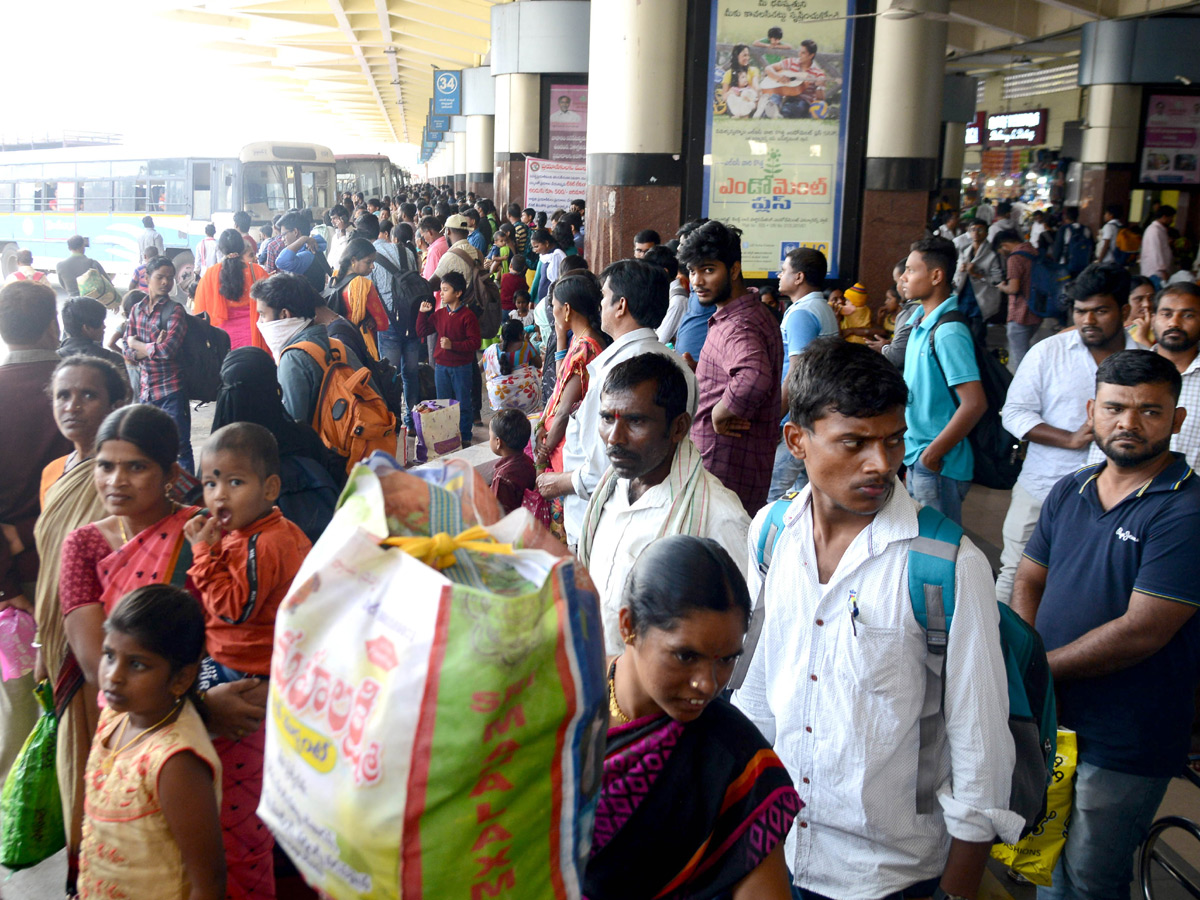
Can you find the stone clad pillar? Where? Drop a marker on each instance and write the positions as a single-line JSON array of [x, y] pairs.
[[635, 123]]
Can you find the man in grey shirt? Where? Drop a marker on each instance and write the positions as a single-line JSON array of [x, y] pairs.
[[149, 238], [74, 266]]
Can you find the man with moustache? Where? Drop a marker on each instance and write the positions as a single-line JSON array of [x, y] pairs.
[[837, 680], [656, 484], [1108, 579], [1177, 327], [1047, 403]]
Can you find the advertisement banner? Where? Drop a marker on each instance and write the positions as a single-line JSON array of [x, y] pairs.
[[551, 185], [447, 92], [1172, 139], [568, 123], [774, 153]]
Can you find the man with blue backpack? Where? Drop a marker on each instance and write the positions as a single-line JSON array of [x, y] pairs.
[[876, 663]]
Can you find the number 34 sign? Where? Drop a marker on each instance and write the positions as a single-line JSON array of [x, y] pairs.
[[447, 92]]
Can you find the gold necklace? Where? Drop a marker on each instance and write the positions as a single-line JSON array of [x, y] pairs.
[[108, 763], [124, 535], [614, 707]]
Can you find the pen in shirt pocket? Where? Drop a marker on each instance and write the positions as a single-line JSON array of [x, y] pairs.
[[852, 606]]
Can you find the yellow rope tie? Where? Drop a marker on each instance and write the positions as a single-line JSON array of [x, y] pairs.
[[438, 550]]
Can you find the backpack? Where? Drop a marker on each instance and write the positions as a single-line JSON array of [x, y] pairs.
[[318, 271], [1032, 712], [204, 348], [1047, 280], [482, 297], [409, 291], [1080, 248], [351, 418], [997, 453], [38, 277]]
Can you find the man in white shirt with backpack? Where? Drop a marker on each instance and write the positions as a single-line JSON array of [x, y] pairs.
[[902, 793]]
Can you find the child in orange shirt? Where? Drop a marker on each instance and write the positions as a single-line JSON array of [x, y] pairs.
[[244, 557]]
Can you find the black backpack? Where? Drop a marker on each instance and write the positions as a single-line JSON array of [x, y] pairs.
[[998, 455], [409, 291], [482, 297], [318, 271], [204, 349]]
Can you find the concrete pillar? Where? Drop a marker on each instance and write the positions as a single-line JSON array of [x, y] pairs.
[[480, 155], [903, 137], [1110, 152], [635, 124], [954, 152], [518, 122], [460, 161]]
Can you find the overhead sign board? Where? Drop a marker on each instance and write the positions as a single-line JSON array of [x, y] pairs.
[[1018, 129], [439, 123], [974, 135], [447, 92]]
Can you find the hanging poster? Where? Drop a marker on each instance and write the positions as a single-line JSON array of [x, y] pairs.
[[1171, 146], [774, 159], [551, 185], [568, 122]]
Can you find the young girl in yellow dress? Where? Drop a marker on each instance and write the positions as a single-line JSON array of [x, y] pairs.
[[151, 824]]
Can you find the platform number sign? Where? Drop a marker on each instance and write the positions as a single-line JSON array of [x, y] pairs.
[[447, 92]]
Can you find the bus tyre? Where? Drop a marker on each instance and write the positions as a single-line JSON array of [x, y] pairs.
[[181, 258], [8, 260]]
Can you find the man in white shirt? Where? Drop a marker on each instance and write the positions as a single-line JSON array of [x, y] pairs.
[[1108, 233], [149, 238], [837, 681], [656, 484], [1156, 258], [1047, 404], [1006, 221], [1177, 330], [633, 304], [984, 211], [206, 250]]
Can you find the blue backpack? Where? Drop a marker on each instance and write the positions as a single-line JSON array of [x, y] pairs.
[[1032, 713], [1047, 281]]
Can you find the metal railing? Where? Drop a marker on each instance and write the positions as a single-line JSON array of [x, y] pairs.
[[1150, 854]]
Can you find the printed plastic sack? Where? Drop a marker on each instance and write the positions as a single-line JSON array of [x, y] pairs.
[[437, 714], [31, 820], [17, 656], [1036, 855], [436, 425]]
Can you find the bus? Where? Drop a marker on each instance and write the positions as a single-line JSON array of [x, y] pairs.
[[375, 176], [102, 193]]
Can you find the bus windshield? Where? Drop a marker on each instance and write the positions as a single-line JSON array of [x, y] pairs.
[[271, 188], [364, 175]]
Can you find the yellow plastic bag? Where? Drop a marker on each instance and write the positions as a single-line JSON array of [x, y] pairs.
[[1036, 855]]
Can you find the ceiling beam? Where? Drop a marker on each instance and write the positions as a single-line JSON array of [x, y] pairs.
[[339, 13], [990, 26], [1073, 9], [385, 28]]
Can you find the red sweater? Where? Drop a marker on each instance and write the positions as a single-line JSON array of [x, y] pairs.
[[460, 326], [509, 285]]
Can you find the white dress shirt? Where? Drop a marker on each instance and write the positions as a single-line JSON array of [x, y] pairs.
[[625, 530], [1156, 254], [1053, 384], [840, 699], [1187, 441], [583, 448]]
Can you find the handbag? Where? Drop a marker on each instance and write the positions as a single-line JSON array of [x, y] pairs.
[[31, 818]]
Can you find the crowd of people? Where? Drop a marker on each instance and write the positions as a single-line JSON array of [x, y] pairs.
[[723, 458]]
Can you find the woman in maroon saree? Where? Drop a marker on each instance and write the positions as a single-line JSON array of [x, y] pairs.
[[680, 762]]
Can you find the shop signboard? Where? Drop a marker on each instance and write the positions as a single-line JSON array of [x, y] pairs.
[[1171, 142], [775, 146], [568, 122], [551, 185], [447, 92], [1018, 129], [975, 129]]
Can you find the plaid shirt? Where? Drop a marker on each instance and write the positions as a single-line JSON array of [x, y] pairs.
[[160, 372], [271, 251], [742, 365]]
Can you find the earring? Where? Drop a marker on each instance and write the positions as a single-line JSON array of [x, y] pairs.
[[627, 638]]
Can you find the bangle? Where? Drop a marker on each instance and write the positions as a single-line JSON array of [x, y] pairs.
[[560, 354]]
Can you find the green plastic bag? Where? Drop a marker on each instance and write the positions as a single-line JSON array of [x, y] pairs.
[[31, 819]]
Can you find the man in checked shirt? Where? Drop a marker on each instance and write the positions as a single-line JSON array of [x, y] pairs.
[[153, 341], [740, 368]]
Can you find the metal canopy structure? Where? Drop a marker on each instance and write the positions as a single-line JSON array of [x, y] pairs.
[[370, 62]]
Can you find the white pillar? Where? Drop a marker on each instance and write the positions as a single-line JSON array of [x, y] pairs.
[[1112, 123]]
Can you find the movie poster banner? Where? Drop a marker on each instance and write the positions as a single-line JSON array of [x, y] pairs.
[[774, 153], [568, 123]]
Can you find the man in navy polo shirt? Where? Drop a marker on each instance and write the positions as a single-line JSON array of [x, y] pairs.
[[1108, 579]]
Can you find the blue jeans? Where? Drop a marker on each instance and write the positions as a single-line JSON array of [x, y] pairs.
[[920, 889], [788, 473], [936, 490], [404, 353], [1110, 816], [1019, 339], [177, 407], [454, 382]]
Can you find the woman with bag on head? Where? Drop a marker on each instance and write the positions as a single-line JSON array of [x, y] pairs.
[[679, 760], [354, 293], [83, 390], [141, 542], [224, 292]]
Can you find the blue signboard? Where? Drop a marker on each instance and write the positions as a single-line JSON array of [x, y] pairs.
[[435, 137], [447, 92], [439, 123]]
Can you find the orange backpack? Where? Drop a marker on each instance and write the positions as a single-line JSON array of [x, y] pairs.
[[351, 418]]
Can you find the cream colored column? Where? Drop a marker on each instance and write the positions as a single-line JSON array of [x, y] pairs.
[[1112, 123]]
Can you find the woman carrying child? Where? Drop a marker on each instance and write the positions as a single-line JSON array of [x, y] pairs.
[[512, 371], [152, 827]]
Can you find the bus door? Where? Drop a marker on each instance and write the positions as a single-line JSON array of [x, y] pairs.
[[202, 175]]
